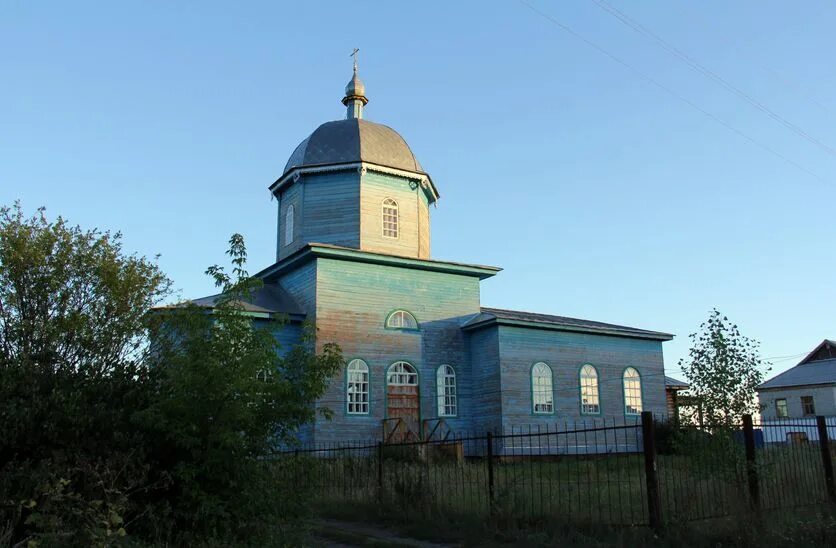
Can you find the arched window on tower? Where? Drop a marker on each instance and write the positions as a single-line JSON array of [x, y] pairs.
[[288, 224], [390, 218]]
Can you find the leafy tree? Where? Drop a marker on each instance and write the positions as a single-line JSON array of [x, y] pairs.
[[723, 368], [73, 307], [227, 394], [103, 435]]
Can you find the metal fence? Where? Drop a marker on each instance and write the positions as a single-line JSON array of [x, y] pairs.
[[625, 472]]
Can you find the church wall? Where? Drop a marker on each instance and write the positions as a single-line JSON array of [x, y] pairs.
[[353, 300], [486, 392], [301, 284], [291, 196], [332, 209], [566, 353], [414, 218]]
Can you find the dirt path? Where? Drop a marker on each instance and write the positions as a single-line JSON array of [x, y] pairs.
[[334, 534]]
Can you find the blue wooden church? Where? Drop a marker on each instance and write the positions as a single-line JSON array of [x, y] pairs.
[[353, 257]]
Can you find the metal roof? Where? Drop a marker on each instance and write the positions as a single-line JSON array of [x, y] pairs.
[[675, 383], [269, 298], [817, 372], [354, 140], [497, 315]]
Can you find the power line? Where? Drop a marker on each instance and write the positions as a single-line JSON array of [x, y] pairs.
[[669, 91], [788, 82], [695, 65]]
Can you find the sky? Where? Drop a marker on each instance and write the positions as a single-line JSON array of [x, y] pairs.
[[638, 178]]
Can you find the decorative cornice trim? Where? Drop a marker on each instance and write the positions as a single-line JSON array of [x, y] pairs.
[[326, 251], [293, 175]]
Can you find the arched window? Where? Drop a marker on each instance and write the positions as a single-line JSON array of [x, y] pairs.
[[632, 392], [446, 391], [390, 218], [288, 224], [357, 387], [401, 319], [590, 404], [402, 374], [542, 394]]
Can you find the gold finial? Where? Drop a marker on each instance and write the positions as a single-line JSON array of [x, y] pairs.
[[354, 54]]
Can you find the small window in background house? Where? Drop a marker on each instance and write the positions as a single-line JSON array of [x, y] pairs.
[[781, 410], [808, 406]]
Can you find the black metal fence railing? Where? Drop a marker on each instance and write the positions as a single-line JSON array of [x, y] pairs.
[[627, 472]]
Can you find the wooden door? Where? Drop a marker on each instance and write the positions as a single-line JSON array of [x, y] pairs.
[[403, 402]]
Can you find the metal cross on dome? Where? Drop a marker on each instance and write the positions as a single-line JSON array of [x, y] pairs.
[[354, 54]]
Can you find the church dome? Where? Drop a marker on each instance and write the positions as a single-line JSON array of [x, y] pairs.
[[353, 140]]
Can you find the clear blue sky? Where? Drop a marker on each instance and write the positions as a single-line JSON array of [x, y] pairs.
[[601, 195]]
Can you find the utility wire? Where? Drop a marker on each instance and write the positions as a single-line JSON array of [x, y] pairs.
[[788, 82], [694, 64], [669, 91]]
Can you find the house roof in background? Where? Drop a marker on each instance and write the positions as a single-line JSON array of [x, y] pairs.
[[817, 372], [828, 344], [676, 384], [489, 316]]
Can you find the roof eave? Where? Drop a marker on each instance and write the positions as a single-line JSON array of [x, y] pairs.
[[650, 335], [313, 250], [295, 172]]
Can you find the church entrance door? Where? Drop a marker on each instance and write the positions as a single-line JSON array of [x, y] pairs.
[[403, 402]]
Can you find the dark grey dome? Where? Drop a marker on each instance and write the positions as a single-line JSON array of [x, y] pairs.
[[354, 140]]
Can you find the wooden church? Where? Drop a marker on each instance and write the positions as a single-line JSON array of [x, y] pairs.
[[423, 356]]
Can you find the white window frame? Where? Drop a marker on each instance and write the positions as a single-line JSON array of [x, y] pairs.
[[357, 387], [632, 387], [289, 222], [590, 393], [401, 319], [542, 389], [446, 391], [778, 408], [402, 373], [390, 219]]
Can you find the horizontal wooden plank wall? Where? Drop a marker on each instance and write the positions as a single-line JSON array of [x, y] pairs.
[[414, 216], [353, 301], [566, 353]]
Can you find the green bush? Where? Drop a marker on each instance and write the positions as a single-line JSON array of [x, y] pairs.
[[107, 439]]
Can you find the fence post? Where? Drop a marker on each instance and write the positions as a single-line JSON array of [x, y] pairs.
[[824, 443], [380, 472], [654, 507], [751, 467], [490, 471]]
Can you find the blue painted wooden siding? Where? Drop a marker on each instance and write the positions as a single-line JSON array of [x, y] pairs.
[[486, 392], [352, 302], [413, 212], [565, 353], [332, 208]]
